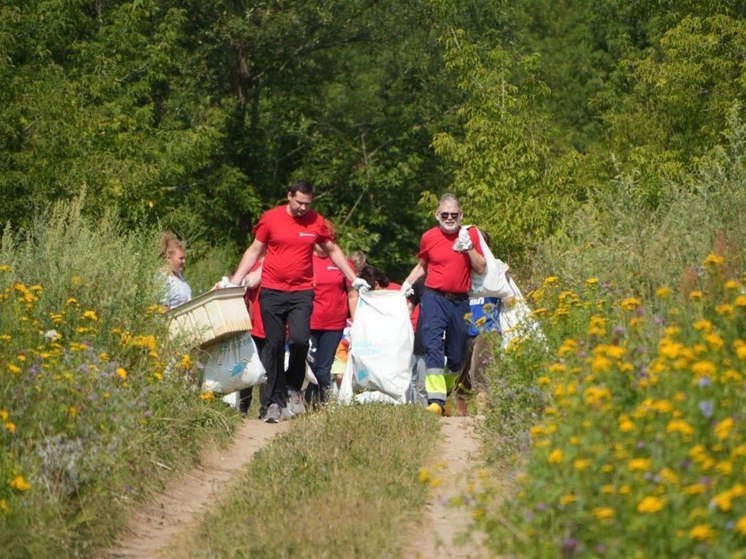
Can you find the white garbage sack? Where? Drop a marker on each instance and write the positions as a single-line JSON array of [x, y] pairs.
[[231, 364], [516, 319], [494, 282], [381, 341]]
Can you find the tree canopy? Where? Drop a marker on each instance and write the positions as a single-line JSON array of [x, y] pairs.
[[197, 115]]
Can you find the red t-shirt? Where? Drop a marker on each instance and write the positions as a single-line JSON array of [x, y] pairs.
[[287, 264], [330, 309], [251, 298], [447, 270]]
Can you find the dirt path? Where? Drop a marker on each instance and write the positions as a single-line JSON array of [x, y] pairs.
[[453, 470], [183, 500]]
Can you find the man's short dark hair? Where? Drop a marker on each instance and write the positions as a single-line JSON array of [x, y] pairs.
[[301, 186]]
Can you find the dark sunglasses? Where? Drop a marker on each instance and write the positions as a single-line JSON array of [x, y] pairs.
[[452, 215]]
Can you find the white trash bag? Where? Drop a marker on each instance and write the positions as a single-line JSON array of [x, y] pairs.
[[381, 341], [231, 364], [494, 282], [516, 319]]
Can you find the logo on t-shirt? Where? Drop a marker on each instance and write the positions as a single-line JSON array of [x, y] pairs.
[[302, 234], [332, 268]]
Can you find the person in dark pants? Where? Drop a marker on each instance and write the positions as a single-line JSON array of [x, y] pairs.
[[285, 235], [328, 320], [448, 254]]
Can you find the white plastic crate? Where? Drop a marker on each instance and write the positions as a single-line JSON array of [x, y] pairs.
[[211, 316]]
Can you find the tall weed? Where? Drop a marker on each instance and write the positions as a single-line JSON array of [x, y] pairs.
[[96, 405]]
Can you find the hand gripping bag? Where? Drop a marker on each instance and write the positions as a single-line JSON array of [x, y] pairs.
[[381, 341], [494, 281]]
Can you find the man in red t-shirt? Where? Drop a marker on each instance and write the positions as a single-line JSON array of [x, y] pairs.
[[285, 235], [448, 254]]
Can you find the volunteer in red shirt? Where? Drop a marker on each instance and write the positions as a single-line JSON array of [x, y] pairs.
[[448, 254], [328, 320], [285, 236]]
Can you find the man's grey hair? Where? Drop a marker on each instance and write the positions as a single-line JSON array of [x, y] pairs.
[[448, 197]]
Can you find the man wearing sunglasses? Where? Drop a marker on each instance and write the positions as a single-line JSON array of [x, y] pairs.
[[448, 254]]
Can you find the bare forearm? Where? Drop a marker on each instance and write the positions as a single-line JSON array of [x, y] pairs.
[[417, 272], [249, 258], [340, 261], [477, 261]]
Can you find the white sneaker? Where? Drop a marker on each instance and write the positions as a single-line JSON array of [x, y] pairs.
[[296, 406], [273, 414]]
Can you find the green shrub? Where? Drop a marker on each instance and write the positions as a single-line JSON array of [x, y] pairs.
[[96, 405]]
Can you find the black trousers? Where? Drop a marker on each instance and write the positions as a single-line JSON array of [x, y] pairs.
[[281, 310]]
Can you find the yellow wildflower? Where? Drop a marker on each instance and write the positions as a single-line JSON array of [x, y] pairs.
[[679, 426], [639, 464], [551, 280], [568, 346], [723, 501], [695, 489], [9, 426], [15, 369], [704, 368], [186, 361], [582, 463], [568, 499], [662, 292], [714, 259], [207, 396], [723, 428], [667, 474], [650, 505], [121, 373], [702, 532], [591, 281], [555, 457], [424, 475], [695, 295], [714, 340], [741, 301], [20, 484], [90, 315], [740, 526], [602, 513], [725, 309], [626, 425], [630, 303]]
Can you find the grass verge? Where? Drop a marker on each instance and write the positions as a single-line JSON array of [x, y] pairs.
[[96, 405], [340, 484]]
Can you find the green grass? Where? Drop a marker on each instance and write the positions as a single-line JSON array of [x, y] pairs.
[[97, 407], [341, 483]]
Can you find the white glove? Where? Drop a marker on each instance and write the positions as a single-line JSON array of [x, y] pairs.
[[406, 289], [360, 284], [463, 243], [225, 281]]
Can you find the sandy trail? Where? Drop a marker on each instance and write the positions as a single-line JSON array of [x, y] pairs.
[[455, 466], [184, 499]]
